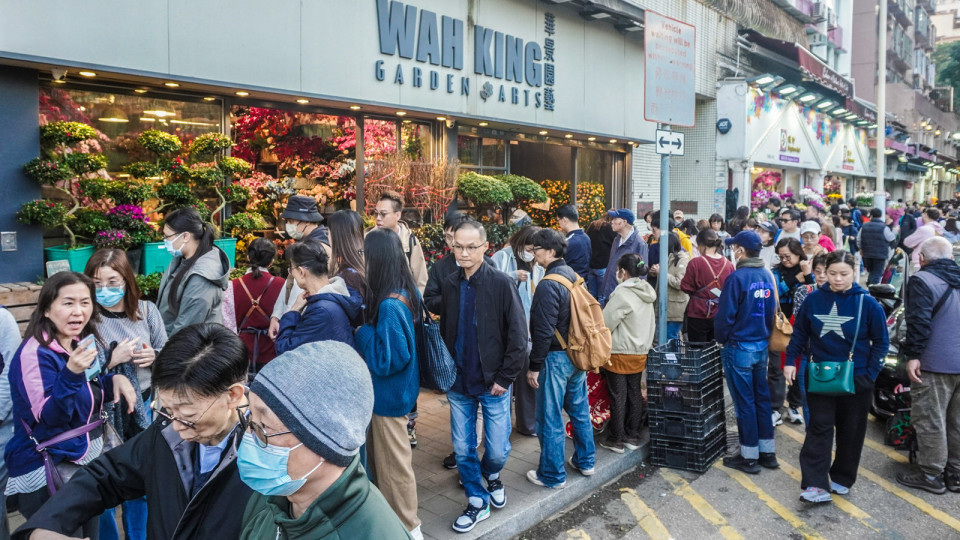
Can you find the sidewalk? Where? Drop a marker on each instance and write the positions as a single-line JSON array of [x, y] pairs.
[[442, 499]]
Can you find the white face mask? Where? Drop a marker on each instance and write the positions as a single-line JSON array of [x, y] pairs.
[[292, 232], [526, 256]]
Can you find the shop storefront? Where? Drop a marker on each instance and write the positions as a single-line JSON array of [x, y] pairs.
[[495, 86]]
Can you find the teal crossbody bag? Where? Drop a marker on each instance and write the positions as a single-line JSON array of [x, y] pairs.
[[834, 378]]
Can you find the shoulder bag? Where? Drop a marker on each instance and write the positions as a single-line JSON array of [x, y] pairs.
[[782, 329], [437, 368], [53, 476], [834, 378]]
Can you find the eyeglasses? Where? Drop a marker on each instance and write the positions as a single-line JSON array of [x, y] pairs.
[[111, 283], [382, 215], [190, 424], [259, 433], [171, 235], [467, 249]]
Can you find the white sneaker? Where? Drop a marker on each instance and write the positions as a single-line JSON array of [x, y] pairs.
[[777, 418], [794, 416], [417, 534]]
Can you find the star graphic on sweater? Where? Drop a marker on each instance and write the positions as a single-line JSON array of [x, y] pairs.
[[833, 322]]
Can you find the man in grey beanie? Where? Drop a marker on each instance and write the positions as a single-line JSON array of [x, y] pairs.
[[309, 411]]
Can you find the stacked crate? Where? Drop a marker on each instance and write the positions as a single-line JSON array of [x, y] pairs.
[[685, 400]]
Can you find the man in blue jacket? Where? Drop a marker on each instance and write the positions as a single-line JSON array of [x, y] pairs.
[[743, 325], [578, 243], [627, 241]]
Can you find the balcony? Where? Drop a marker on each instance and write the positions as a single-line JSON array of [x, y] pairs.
[[901, 10], [922, 37], [835, 37], [802, 10], [929, 5]]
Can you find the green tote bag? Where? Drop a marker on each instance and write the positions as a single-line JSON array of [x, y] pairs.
[[834, 378]]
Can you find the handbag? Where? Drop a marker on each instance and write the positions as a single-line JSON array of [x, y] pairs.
[[438, 371], [782, 329], [52, 474], [830, 378]]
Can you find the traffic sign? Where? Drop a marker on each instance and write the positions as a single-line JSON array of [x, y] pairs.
[[669, 94], [670, 143]]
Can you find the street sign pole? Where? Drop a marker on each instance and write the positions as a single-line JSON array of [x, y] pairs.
[[664, 244]]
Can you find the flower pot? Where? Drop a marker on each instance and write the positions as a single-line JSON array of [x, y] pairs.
[[229, 246], [155, 258], [77, 257]]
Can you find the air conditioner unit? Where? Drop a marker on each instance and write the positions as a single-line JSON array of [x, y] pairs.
[[820, 10], [831, 18]]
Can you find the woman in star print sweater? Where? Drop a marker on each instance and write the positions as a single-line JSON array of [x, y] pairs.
[[825, 328]]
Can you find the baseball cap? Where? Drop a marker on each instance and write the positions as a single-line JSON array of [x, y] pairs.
[[809, 227], [623, 214], [747, 240], [770, 227]]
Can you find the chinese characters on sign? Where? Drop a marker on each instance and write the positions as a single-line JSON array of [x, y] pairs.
[[669, 92], [549, 28]]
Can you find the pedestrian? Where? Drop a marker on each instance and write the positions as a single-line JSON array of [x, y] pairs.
[[875, 240], [743, 326], [855, 214], [703, 282], [774, 207], [820, 330], [931, 227], [631, 317], [485, 329], [303, 221], [326, 306], [58, 386], [627, 241], [137, 328], [387, 343], [799, 295], [716, 223], [813, 242], [601, 236], [444, 266], [578, 243], [561, 387], [9, 343], [346, 249], [908, 225], [677, 260], [191, 288], [519, 264], [768, 232], [250, 300], [950, 231], [932, 316], [388, 212], [185, 462], [300, 452], [739, 220], [789, 225], [794, 271]]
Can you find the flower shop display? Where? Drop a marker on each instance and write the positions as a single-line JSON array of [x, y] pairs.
[[591, 202], [427, 185]]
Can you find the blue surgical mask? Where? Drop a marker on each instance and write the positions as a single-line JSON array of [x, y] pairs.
[[109, 296], [168, 243], [265, 469]]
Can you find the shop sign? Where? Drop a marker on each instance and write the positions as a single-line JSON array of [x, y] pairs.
[[815, 69], [789, 148], [848, 159], [724, 125], [518, 72]]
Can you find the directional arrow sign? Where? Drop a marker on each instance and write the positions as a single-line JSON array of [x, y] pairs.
[[670, 143]]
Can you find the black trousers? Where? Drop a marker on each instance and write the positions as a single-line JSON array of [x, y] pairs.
[[844, 417], [29, 503], [626, 406], [699, 330]]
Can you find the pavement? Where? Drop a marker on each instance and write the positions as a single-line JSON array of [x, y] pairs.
[[442, 500]]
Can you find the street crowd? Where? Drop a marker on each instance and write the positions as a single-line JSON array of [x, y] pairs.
[[264, 407]]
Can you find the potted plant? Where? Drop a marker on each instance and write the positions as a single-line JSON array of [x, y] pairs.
[[59, 171]]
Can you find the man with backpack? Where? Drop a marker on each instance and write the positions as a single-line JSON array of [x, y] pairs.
[[561, 386], [387, 215]]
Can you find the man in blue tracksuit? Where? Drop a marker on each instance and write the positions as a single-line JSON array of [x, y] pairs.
[[743, 325]]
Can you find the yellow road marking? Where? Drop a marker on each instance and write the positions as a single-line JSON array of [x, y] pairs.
[[921, 504], [805, 530], [646, 518], [683, 489], [577, 534], [886, 450]]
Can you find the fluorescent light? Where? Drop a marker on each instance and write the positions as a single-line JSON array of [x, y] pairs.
[[140, 90], [826, 104], [114, 120], [808, 97], [303, 101], [569, 135], [483, 124], [242, 93], [189, 123], [761, 80], [87, 74], [441, 118], [839, 111], [401, 113], [889, 151], [543, 132], [850, 116], [209, 98], [354, 107], [171, 84], [59, 81], [612, 141], [143, 119], [591, 138]]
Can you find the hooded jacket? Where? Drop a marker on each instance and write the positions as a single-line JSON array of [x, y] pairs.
[[676, 298], [551, 311], [825, 326], [934, 340], [747, 305], [413, 250], [200, 291], [924, 232], [157, 464], [506, 261], [326, 316], [631, 317], [389, 348], [351, 508]]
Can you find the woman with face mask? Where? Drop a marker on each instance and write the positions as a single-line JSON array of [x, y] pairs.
[[192, 286], [516, 260], [136, 327], [326, 306]]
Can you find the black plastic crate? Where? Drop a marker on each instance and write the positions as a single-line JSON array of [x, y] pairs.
[[688, 455], [687, 425], [684, 361], [684, 397]]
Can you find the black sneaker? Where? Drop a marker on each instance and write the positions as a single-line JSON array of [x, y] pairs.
[[951, 480], [470, 517], [412, 434], [919, 480], [768, 460], [740, 463], [498, 495], [450, 462]]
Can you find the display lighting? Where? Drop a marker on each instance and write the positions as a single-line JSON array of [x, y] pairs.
[[148, 119], [483, 124], [872, 126], [59, 81], [401, 113], [140, 90], [171, 84], [591, 138], [761, 80], [303, 101], [923, 123], [569, 135], [826, 105], [441, 118], [612, 141], [543, 132], [839, 111], [209, 98], [808, 97], [902, 159], [937, 133], [87, 74], [788, 90], [850, 116], [938, 166], [242, 93], [354, 107], [929, 127], [956, 136], [190, 123], [889, 151]]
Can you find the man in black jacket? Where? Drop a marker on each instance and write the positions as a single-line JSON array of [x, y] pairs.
[[559, 384], [185, 463], [485, 329], [874, 241], [444, 267]]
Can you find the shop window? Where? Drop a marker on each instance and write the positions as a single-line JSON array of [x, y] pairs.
[[468, 151], [416, 140], [487, 154], [379, 138], [120, 117], [598, 166]]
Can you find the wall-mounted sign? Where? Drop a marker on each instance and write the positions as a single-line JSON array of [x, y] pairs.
[[724, 125], [669, 91]]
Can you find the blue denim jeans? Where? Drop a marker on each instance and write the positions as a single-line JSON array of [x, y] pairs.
[[496, 440], [595, 280], [673, 329], [562, 387], [746, 373], [134, 521]]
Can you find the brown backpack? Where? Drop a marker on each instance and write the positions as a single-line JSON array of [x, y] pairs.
[[590, 340]]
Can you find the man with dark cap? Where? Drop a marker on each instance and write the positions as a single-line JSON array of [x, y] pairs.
[[300, 453], [627, 241]]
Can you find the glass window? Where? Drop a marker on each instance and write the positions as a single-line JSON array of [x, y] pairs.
[[379, 138], [493, 153], [416, 140], [468, 151]]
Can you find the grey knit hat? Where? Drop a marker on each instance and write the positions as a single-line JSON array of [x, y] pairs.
[[322, 392]]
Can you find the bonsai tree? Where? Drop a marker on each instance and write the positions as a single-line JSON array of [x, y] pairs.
[[243, 223], [524, 190], [60, 169]]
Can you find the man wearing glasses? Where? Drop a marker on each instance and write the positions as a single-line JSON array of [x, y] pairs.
[[184, 463], [789, 225], [484, 328], [387, 216]]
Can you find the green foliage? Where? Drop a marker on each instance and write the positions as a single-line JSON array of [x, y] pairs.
[[93, 188], [483, 189], [242, 223], [235, 194], [159, 143], [112, 238], [142, 169], [176, 194], [523, 188], [47, 171], [432, 242], [238, 272], [43, 212], [497, 235], [206, 175], [208, 145], [231, 166], [947, 59], [56, 133], [130, 192], [149, 285], [89, 222], [83, 162]]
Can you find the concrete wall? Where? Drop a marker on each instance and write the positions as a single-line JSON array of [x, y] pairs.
[[19, 110], [863, 57]]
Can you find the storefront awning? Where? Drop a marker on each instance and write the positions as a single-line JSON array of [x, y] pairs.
[[811, 67]]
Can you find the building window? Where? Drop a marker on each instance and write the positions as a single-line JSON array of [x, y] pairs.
[[484, 154]]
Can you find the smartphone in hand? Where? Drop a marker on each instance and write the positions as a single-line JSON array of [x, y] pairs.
[[88, 343]]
